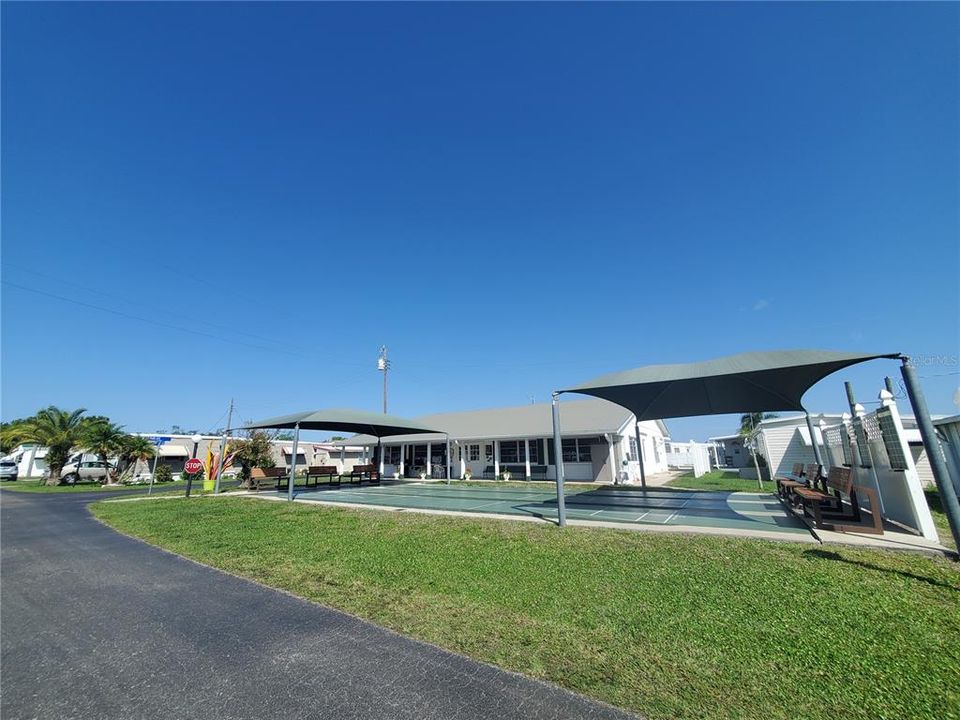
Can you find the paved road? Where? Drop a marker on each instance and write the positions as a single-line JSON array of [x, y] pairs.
[[96, 625]]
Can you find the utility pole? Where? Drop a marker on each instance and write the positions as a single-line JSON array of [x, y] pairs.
[[223, 449], [383, 365]]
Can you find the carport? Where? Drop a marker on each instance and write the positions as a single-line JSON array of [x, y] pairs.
[[380, 425], [745, 383]]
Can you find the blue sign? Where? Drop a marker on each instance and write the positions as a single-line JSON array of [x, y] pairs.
[[157, 440]]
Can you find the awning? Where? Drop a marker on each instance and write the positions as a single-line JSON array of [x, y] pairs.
[[358, 421], [749, 382], [167, 450]]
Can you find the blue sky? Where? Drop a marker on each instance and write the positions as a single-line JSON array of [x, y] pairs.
[[513, 198]]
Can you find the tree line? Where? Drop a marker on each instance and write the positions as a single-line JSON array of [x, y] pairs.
[[63, 432]]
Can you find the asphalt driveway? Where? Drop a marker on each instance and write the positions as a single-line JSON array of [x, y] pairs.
[[97, 625]]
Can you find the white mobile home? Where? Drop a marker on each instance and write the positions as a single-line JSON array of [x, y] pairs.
[[599, 444], [785, 441]]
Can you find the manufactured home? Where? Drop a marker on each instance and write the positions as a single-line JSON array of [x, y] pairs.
[[599, 444]]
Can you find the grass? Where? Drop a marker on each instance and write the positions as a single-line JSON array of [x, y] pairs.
[[718, 481], [939, 517], [33, 487], [669, 626]]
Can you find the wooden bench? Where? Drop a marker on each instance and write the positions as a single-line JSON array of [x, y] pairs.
[[798, 478], [323, 471], [829, 511], [261, 478], [364, 472]]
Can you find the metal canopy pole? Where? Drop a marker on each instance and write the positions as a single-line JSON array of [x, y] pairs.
[[293, 461], [558, 458], [948, 495], [643, 471], [813, 441], [852, 401], [223, 449]]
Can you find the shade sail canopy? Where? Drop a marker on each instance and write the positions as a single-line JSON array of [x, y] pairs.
[[749, 382], [357, 421]]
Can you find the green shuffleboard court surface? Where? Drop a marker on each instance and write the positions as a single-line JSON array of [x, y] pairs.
[[657, 506]]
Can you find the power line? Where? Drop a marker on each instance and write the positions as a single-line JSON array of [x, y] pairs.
[[135, 302], [156, 323]]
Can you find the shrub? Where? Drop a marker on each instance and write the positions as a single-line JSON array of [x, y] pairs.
[[163, 474]]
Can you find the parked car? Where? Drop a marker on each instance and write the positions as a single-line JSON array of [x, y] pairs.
[[80, 468], [8, 470]]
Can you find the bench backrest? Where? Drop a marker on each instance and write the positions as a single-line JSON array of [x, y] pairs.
[[322, 470], [840, 478], [261, 473], [363, 468], [797, 469]]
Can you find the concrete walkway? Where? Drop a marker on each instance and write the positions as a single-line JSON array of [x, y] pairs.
[[97, 625]]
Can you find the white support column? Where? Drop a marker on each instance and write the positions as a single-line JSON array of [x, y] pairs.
[[403, 455], [382, 448], [496, 459], [449, 461], [463, 459], [429, 451], [612, 460], [526, 452]]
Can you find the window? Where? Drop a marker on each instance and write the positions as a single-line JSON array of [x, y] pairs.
[[488, 452], [512, 451], [633, 449], [473, 453], [391, 455], [420, 455], [576, 450]]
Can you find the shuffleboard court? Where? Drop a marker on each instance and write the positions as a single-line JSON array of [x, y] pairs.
[[655, 506]]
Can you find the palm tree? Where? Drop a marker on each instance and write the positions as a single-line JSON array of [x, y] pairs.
[[135, 449], [59, 431], [103, 439], [749, 422]]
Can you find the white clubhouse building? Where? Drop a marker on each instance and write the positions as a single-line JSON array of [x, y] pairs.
[[599, 441]]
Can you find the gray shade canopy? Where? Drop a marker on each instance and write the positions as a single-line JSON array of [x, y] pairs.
[[357, 421], [749, 382]]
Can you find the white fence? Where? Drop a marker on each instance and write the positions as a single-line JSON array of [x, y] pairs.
[[875, 447], [690, 456]]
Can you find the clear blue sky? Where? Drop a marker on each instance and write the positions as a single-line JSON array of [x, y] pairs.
[[513, 198]]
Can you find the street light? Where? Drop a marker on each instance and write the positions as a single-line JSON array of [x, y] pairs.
[[197, 437]]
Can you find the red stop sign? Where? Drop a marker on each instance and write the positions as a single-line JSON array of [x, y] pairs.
[[193, 466]]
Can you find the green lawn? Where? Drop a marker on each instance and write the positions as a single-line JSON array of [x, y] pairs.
[[939, 517], [721, 481], [670, 626], [32, 486]]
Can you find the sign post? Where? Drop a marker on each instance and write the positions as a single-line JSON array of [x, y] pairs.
[[157, 441], [191, 467]]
